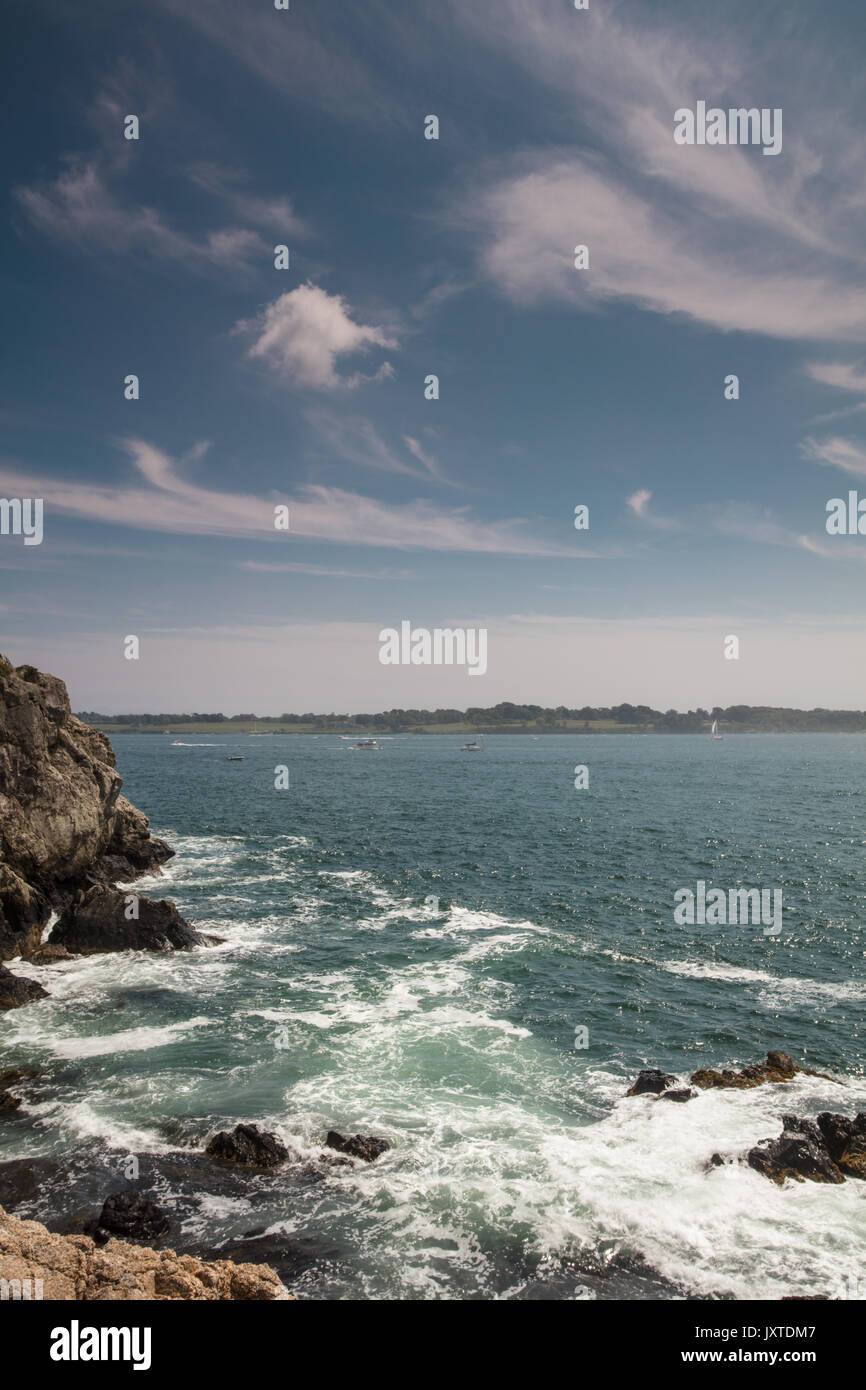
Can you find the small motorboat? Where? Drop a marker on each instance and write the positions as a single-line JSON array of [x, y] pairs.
[[368, 745], [473, 747], [234, 758]]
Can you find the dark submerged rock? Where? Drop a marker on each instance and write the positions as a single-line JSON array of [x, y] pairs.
[[798, 1153], [97, 922], [48, 954], [248, 1146], [130, 1216], [651, 1081], [845, 1141], [682, 1095], [15, 990], [13, 1078], [363, 1146]]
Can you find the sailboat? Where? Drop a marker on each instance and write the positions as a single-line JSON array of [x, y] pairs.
[[473, 747], [713, 731]]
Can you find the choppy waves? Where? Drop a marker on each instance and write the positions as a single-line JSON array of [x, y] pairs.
[[518, 1168]]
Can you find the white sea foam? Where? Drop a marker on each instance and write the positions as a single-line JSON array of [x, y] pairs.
[[86, 1118], [790, 986], [134, 1040]]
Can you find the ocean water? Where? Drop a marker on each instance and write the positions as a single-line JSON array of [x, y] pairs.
[[344, 998]]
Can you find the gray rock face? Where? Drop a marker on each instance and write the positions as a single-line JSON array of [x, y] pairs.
[[67, 835], [799, 1152], [15, 990], [249, 1146], [651, 1081], [364, 1146], [99, 920]]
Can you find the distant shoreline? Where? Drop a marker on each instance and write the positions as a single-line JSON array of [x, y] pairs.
[[507, 717], [263, 729]]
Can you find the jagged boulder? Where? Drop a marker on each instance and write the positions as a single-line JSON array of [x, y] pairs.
[[15, 990], [63, 821], [49, 954], [845, 1141], [651, 1081], [248, 1146], [23, 909], [799, 1153], [100, 920], [130, 1216], [363, 1146], [778, 1067]]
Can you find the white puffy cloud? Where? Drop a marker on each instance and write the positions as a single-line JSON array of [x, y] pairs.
[[638, 501], [306, 331]]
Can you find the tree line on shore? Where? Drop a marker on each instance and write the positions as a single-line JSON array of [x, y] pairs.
[[510, 716]]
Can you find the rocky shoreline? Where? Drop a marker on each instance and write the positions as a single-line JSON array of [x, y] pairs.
[[38, 1264], [827, 1148], [67, 838]]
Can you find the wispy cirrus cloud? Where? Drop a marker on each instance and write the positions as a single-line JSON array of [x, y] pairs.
[[277, 215], [642, 251], [714, 235], [284, 51], [356, 440], [320, 571], [425, 458], [80, 207], [169, 503], [837, 453], [742, 521], [843, 375]]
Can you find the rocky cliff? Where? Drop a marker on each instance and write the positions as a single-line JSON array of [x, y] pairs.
[[67, 835]]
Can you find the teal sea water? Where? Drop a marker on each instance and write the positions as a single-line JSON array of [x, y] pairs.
[[343, 998]]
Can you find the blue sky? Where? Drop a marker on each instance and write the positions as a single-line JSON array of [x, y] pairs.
[[453, 257]]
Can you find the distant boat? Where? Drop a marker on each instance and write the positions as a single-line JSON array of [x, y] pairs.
[[473, 747], [176, 743], [235, 758], [369, 744], [718, 737]]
